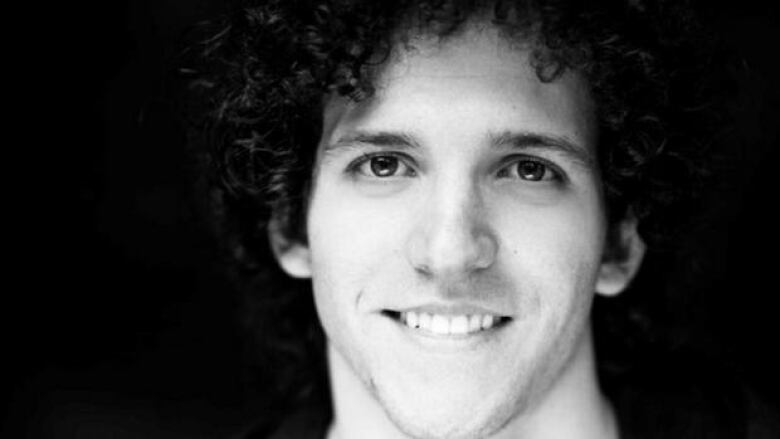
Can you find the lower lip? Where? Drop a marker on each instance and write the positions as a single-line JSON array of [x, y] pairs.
[[450, 342]]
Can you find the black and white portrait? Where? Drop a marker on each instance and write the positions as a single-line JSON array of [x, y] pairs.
[[397, 219]]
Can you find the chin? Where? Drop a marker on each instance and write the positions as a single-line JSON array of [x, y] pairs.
[[449, 417]]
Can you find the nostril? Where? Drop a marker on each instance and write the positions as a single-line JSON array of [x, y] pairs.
[[486, 251]]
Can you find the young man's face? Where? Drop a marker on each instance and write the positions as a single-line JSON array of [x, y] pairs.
[[456, 230]]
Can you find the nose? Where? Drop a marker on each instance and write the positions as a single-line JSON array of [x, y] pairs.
[[453, 237]]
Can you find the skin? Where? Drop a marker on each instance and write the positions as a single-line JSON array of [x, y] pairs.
[[465, 183]]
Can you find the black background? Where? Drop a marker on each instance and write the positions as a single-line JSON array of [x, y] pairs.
[[115, 316]]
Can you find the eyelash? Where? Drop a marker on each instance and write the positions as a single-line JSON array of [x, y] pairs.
[[354, 168], [555, 173]]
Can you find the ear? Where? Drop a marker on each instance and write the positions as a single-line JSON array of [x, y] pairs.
[[622, 259], [293, 256]]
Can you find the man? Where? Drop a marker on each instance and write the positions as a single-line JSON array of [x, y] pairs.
[[453, 183]]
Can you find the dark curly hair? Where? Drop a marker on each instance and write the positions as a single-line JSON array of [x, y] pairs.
[[263, 69]]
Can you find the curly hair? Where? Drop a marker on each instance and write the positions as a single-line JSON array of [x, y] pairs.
[[264, 69]]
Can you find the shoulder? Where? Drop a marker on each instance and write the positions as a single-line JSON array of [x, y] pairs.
[[763, 419], [310, 422], [687, 396]]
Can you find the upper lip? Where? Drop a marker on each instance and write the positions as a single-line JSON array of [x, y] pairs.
[[452, 309]]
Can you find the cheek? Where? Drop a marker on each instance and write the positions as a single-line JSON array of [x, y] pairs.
[[346, 224], [559, 248], [352, 246], [350, 239], [553, 256]]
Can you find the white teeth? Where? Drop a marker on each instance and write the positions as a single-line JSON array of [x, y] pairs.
[[440, 324], [411, 319], [459, 325], [425, 321], [445, 325], [475, 323]]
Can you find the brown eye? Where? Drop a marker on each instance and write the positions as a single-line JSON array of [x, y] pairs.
[[384, 166], [532, 170]]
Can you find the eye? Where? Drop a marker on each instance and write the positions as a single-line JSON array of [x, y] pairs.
[[381, 166], [530, 169]]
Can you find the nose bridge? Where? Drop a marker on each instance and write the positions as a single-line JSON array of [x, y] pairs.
[[454, 236]]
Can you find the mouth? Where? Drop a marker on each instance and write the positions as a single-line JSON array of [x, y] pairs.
[[448, 325]]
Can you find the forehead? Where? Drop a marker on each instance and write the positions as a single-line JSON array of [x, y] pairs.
[[475, 83]]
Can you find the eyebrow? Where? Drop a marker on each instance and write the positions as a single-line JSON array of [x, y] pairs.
[[529, 140], [380, 139], [513, 139]]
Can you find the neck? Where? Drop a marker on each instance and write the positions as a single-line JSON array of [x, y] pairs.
[[573, 407]]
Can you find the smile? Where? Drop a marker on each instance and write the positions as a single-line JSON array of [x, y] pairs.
[[447, 325]]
